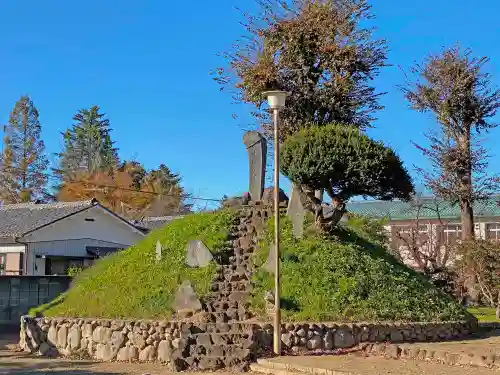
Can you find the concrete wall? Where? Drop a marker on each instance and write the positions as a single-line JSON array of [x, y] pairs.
[[20, 293]]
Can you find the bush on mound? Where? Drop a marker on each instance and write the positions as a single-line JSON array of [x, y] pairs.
[[348, 277], [131, 284]]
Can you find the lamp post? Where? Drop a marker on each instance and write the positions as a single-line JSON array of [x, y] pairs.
[[276, 101]]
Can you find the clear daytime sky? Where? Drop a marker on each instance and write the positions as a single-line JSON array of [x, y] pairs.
[[146, 63]]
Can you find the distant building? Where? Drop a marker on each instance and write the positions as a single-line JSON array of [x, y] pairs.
[[430, 224], [47, 239]]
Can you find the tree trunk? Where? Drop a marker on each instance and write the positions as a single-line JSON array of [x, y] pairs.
[[326, 217], [467, 217]]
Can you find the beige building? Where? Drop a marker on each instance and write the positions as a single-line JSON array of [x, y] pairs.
[[425, 231]]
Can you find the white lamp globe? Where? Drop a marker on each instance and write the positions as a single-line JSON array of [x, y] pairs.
[[276, 99]]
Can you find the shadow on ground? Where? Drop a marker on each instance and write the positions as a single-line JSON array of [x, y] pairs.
[[54, 367]]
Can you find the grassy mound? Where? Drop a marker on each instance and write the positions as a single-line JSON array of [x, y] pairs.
[[131, 284], [349, 277]]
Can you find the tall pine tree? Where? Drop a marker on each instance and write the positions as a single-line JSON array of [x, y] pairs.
[[23, 164], [88, 146]]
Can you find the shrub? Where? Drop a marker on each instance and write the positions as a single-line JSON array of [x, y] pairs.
[[481, 259], [345, 163]]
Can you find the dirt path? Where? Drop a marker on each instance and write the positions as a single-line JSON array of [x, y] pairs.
[[380, 366], [19, 364]]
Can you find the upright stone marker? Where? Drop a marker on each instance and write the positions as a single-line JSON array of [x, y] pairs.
[[257, 150], [197, 254], [296, 212], [186, 299], [158, 251], [270, 264]]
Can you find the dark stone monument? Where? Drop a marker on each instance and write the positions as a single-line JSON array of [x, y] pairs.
[[186, 299], [256, 146], [197, 254], [296, 212]]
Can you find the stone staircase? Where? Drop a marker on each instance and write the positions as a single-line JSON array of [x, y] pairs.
[[217, 346], [228, 341]]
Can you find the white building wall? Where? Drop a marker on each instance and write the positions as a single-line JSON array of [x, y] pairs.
[[70, 237]]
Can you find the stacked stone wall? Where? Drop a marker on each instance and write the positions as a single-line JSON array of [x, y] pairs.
[[208, 346]]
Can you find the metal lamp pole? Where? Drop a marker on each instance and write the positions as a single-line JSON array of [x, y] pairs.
[[276, 100]]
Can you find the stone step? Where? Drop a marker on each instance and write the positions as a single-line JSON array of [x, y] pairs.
[[225, 305], [224, 328], [231, 295], [209, 363], [229, 316], [219, 351], [231, 286]]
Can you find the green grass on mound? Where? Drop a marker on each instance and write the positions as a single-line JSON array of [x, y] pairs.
[[131, 284], [349, 277], [484, 314]]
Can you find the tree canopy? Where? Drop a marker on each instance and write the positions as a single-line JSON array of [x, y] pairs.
[[318, 52], [129, 190], [453, 86], [88, 147], [23, 164], [345, 163]]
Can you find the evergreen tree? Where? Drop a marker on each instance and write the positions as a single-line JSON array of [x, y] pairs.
[[88, 146], [23, 163]]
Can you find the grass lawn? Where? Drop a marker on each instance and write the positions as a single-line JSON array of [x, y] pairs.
[[348, 277], [484, 314], [132, 284]]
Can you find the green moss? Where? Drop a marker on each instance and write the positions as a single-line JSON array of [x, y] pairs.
[[131, 284], [348, 277]]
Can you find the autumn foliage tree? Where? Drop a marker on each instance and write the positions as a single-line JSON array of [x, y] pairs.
[[453, 87], [23, 164], [345, 163], [317, 51], [129, 190]]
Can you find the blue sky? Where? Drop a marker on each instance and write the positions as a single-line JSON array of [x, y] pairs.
[[146, 63]]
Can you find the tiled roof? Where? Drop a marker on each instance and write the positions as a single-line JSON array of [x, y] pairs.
[[428, 208], [150, 223], [18, 219]]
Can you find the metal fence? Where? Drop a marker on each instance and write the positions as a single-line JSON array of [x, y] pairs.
[[18, 294]]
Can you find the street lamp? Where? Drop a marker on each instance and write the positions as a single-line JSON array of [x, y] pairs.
[[276, 101]]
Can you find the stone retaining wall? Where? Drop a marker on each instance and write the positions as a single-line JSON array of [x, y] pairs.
[[325, 337], [204, 346]]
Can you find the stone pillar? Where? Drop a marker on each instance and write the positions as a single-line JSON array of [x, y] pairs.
[[296, 212], [257, 151]]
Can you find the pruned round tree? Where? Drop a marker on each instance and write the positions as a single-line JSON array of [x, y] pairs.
[[345, 163]]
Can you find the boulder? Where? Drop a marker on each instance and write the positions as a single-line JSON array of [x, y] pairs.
[[197, 254], [186, 299], [127, 354], [147, 354], [165, 351], [343, 338]]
